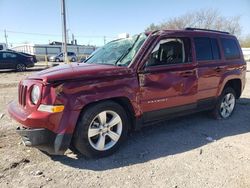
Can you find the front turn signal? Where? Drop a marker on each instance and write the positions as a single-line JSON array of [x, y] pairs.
[[51, 108]]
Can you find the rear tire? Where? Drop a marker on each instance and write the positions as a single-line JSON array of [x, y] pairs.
[[101, 129], [225, 104], [20, 67]]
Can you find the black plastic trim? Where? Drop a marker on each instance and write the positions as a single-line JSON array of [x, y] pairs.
[[45, 140], [169, 113]]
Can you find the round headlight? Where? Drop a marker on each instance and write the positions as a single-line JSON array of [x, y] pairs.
[[35, 94]]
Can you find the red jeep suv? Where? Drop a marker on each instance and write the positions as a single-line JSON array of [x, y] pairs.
[[127, 84]]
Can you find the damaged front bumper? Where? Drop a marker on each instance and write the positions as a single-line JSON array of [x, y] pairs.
[[45, 140]]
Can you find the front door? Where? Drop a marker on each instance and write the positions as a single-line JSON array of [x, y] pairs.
[[168, 81], [8, 60], [1, 61]]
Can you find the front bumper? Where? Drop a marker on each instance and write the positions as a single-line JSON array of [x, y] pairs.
[[45, 140], [50, 132]]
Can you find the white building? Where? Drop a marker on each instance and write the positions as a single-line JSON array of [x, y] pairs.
[[246, 53], [46, 50]]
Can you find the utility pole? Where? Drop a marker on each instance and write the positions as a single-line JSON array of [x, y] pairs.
[[6, 38], [67, 31], [64, 31], [73, 39]]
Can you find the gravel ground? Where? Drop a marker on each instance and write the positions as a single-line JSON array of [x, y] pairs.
[[192, 151]]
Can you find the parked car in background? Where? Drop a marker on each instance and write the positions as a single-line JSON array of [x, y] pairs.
[[25, 54], [15, 60], [127, 84], [60, 57]]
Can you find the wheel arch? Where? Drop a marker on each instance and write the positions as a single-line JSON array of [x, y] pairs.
[[124, 102], [235, 84]]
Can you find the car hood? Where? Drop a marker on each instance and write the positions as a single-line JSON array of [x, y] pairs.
[[78, 71]]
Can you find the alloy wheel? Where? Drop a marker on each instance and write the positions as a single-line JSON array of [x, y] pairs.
[[227, 105], [20, 67], [105, 130]]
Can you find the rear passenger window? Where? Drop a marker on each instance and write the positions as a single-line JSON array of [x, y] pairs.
[[230, 49], [206, 49], [203, 49], [9, 55]]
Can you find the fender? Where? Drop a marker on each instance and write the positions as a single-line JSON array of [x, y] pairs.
[[78, 95], [238, 73]]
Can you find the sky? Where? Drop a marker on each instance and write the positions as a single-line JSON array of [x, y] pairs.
[[39, 21]]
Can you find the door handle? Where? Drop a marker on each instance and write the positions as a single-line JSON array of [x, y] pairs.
[[187, 73]]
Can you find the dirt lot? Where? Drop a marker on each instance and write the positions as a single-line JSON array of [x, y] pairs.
[[192, 151]]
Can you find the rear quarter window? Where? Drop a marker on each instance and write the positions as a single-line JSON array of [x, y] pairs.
[[230, 49]]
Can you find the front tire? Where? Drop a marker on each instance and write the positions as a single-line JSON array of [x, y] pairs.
[[226, 104], [101, 129]]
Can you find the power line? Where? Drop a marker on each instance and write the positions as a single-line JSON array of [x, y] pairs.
[[27, 33]]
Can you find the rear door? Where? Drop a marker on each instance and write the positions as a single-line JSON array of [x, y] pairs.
[[210, 67]]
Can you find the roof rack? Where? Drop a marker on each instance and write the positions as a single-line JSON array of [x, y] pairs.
[[199, 29]]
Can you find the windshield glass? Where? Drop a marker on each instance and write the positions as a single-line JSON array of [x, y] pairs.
[[119, 52]]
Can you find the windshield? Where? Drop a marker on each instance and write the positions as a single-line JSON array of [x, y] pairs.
[[119, 52]]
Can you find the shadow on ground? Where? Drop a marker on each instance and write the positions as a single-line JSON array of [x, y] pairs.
[[168, 138]]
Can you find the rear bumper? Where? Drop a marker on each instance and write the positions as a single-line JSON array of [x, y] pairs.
[[45, 140], [30, 65]]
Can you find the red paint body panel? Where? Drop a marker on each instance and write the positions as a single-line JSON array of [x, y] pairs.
[[149, 89], [168, 86]]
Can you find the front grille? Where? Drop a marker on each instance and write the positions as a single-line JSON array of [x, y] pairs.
[[22, 91]]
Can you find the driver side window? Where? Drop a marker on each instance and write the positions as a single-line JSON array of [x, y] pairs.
[[170, 51]]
